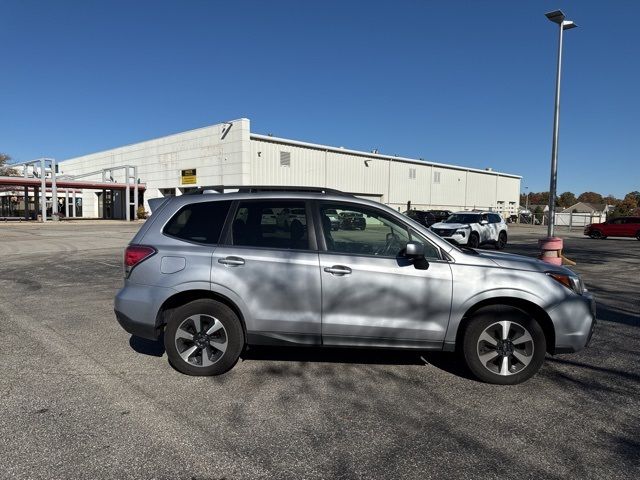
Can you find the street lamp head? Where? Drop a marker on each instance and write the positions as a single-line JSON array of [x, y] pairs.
[[556, 16]]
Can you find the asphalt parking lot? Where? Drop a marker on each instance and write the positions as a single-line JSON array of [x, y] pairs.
[[80, 398]]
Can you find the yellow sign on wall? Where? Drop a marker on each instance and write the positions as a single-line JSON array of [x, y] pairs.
[[188, 177]]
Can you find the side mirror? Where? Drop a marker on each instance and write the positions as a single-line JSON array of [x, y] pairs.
[[484, 222], [414, 249]]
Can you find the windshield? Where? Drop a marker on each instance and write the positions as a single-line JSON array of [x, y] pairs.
[[463, 218]]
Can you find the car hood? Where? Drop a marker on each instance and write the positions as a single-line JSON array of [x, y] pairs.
[[519, 262], [449, 226]]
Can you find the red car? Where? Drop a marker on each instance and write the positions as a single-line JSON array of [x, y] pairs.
[[616, 227]]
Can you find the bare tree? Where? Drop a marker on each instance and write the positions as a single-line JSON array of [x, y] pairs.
[[5, 169]]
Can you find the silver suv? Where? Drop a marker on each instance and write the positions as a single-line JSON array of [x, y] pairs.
[[215, 273]]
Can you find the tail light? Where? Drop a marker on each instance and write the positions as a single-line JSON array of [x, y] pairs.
[[134, 255]]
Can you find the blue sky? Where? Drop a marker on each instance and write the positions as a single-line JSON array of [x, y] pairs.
[[463, 82]]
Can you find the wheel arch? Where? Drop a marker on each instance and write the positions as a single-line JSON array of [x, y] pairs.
[[534, 311], [184, 297]]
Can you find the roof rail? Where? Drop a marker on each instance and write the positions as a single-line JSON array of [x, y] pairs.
[[265, 188]]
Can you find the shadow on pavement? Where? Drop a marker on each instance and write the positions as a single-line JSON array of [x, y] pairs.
[[448, 362], [617, 315], [154, 348]]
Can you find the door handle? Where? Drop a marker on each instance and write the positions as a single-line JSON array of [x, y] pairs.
[[231, 261], [338, 270]]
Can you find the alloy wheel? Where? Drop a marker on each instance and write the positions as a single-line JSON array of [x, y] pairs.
[[505, 348], [201, 340]]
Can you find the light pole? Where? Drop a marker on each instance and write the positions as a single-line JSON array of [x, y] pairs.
[[558, 18]]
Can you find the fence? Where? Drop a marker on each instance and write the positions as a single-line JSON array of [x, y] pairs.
[[578, 219], [570, 220]]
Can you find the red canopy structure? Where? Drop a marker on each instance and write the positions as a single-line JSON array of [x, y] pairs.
[[36, 184], [60, 183]]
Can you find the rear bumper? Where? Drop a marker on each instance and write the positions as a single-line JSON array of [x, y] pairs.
[[137, 306], [575, 323], [139, 329]]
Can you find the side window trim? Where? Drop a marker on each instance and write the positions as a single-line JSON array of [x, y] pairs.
[[225, 235]]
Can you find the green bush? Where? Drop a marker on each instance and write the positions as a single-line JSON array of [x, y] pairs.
[[142, 213]]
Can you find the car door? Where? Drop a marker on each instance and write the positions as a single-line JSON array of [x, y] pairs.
[[273, 270], [485, 228], [630, 227], [634, 227], [495, 225], [373, 296], [614, 228]]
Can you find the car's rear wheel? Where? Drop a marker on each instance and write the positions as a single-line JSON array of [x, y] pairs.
[[203, 337], [474, 240], [503, 345], [502, 241], [595, 234]]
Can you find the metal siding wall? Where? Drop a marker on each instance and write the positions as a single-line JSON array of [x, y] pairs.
[[481, 190], [450, 192], [350, 173], [457, 189], [306, 169], [508, 191], [404, 189]]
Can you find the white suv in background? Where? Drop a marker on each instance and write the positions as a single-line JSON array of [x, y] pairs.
[[473, 229]]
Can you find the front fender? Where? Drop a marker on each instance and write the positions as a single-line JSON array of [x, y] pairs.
[[473, 285]]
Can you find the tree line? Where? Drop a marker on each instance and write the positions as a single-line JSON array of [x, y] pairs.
[[629, 205]]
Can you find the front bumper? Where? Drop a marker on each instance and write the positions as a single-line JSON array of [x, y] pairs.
[[575, 322], [456, 239]]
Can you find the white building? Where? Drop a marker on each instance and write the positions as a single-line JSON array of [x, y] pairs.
[[230, 154]]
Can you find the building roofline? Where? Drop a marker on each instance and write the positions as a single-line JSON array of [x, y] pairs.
[[360, 153], [152, 139]]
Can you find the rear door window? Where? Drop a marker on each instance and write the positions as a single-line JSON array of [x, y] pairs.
[[271, 224], [200, 222]]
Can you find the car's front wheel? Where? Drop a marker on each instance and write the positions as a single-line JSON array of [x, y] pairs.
[[503, 345], [203, 337], [596, 234], [474, 240]]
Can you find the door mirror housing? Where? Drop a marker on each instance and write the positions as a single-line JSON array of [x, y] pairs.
[[484, 222], [414, 249]]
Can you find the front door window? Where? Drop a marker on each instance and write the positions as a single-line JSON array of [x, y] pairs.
[[366, 231]]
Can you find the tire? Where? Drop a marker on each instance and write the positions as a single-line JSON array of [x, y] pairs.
[[502, 241], [638, 235], [595, 234], [199, 328], [474, 240], [503, 363]]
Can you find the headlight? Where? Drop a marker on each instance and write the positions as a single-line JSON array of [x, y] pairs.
[[572, 282], [461, 231]]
